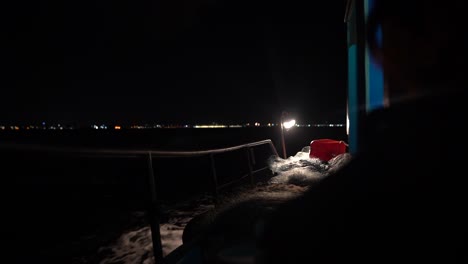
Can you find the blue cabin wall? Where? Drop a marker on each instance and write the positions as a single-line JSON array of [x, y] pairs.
[[374, 74], [365, 77]]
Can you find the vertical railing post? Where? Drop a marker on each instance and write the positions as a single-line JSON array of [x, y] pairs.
[[215, 178], [250, 166], [153, 214], [252, 156]]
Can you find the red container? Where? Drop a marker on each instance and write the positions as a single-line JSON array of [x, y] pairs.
[[326, 149]]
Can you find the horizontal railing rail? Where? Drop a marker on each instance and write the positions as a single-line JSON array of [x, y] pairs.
[[155, 153]]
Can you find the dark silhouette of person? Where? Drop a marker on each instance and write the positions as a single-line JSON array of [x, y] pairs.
[[403, 196]]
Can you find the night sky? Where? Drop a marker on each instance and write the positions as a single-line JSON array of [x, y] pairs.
[[187, 61]]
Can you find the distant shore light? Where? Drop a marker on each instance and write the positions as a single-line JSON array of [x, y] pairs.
[[209, 126]]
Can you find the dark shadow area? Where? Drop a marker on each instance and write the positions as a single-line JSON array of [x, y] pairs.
[[62, 207]]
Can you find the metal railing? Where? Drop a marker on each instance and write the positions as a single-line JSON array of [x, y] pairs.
[[153, 208], [153, 214]]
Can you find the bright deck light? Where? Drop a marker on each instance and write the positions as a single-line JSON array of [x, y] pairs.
[[289, 124]]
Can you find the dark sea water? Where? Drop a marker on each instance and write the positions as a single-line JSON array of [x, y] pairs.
[[176, 138], [62, 207]]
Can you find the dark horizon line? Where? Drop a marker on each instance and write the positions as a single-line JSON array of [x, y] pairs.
[[58, 126]]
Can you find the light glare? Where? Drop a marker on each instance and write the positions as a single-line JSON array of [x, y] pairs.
[[289, 124]]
